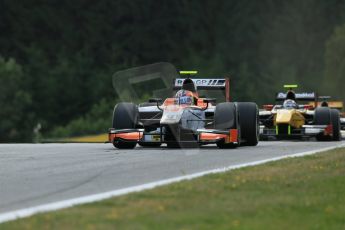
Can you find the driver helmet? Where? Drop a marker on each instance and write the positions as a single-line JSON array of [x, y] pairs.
[[290, 104], [184, 97], [189, 85], [291, 95]]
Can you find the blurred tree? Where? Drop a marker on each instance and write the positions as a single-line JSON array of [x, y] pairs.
[[16, 118], [68, 50], [95, 122], [292, 42], [335, 63]]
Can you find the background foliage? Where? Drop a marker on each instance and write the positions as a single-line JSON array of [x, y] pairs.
[[58, 56]]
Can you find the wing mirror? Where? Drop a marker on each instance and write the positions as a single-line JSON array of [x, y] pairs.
[[155, 100], [158, 101]]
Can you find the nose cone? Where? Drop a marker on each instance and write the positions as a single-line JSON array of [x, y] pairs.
[[171, 115], [284, 116]]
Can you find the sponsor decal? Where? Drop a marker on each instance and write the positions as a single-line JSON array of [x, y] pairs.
[[298, 95], [203, 82]]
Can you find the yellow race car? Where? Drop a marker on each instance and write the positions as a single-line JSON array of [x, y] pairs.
[[288, 119]]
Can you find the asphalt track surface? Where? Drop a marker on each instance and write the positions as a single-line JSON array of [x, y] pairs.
[[36, 174]]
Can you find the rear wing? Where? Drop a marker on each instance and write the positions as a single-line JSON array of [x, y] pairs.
[[299, 96], [207, 84], [331, 104], [336, 105]]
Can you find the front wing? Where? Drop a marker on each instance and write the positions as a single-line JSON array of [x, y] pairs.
[[204, 136], [305, 131]]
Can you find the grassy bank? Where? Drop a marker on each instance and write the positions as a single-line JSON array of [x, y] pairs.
[[100, 138], [299, 193]]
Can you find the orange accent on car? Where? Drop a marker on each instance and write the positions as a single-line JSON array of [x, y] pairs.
[[233, 135], [134, 136], [228, 138], [169, 101], [111, 137], [212, 136], [268, 107], [201, 103]]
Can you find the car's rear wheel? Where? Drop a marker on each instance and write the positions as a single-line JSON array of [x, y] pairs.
[[248, 116], [335, 119], [125, 116], [322, 117], [225, 118]]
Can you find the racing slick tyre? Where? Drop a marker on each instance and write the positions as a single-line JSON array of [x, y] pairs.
[[335, 120], [248, 117], [125, 116], [225, 118], [322, 117]]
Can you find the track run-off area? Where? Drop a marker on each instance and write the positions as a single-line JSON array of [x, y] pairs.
[[43, 177]]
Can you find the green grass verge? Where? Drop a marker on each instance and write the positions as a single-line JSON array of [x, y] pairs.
[[298, 193]]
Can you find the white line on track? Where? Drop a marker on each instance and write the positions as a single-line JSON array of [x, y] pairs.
[[26, 212]]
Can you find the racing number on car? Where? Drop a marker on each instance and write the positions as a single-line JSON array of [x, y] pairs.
[[156, 138]]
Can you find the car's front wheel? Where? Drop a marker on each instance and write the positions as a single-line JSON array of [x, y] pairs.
[[249, 123], [125, 116], [225, 118], [322, 117], [335, 119]]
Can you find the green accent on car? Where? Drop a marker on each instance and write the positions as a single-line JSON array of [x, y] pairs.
[[289, 129], [190, 72], [290, 86], [277, 130]]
